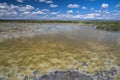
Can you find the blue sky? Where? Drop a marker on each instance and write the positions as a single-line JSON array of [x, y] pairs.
[[60, 9]]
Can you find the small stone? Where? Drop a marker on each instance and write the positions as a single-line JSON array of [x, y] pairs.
[[36, 72], [85, 64], [25, 78]]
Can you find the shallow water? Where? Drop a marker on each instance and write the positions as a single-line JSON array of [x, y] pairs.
[[47, 47]]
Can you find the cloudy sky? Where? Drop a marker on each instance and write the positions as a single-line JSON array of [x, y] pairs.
[[60, 9]]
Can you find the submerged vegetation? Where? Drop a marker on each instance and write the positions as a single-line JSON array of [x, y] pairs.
[[63, 47], [46, 53]]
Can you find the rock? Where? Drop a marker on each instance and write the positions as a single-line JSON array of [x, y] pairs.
[[113, 71], [2, 77], [25, 78], [66, 75], [74, 75], [85, 64], [36, 72], [106, 74]]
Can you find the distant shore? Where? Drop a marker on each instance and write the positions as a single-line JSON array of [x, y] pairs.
[[101, 24]]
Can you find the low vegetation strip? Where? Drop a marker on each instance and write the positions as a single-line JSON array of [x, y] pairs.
[[101, 25], [105, 25]]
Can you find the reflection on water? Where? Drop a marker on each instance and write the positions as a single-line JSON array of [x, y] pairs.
[[46, 47]]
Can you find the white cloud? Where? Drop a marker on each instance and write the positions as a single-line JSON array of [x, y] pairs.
[[92, 9], [106, 15], [104, 5], [86, 16], [41, 0], [54, 13], [29, 12], [25, 13], [14, 11], [97, 11], [14, 7], [84, 7], [29, 7], [38, 12], [48, 1], [25, 8], [53, 5], [118, 5], [7, 10], [70, 11], [73, 6], [21, 1], [105, 12], [91, 15], [3, 6], [45, 10], [77, 16]]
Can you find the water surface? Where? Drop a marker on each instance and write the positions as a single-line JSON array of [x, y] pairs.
[[47, 47]]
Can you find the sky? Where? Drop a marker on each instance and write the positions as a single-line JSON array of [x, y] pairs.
[[60, 9]]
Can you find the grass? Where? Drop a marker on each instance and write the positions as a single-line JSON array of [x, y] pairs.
[[105, 25]]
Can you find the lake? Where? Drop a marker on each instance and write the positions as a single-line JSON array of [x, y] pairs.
[[26, 47]]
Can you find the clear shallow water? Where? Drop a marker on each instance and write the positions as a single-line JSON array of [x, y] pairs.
[[77, 32], [46, 47]]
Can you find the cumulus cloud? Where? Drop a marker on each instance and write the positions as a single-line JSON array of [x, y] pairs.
[[73, 6], [92, 9], [3, 6], [21, 1], [104, 5], [118, 5], [90, 16], [48, 1], [53, 5], [10, 11], [38, 12], [18, 11], [79, 16], [97, 11], [41, 0], [25, 8], [7, 10], [70, 11], [45, 10], [105, 14], [54, 13], [84, 7]]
